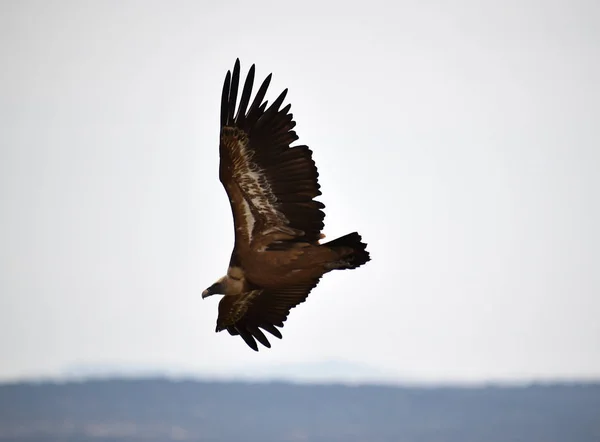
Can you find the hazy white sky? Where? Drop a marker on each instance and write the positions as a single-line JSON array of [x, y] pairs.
[[461, 139]]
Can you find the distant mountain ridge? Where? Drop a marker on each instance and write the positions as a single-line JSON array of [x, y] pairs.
[[326, 371], [322, 372]]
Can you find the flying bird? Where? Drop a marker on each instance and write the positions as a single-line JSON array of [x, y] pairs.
[[277, 257]]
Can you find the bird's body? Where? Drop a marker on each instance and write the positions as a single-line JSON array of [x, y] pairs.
[[277, 257]]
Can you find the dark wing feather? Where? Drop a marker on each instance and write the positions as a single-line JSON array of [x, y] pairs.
[[290, 174], [225, 99], [248, 313], [235, 81], [245, 100]]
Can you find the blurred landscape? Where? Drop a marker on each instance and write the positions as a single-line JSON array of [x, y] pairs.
[[160, 409]]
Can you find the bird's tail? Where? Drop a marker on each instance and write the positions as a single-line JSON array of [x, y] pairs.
[[352, 251]]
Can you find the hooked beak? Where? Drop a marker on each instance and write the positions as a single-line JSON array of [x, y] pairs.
[[214, 289]]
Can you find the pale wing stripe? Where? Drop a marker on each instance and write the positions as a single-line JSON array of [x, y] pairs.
[[249, 217], [256, 189]]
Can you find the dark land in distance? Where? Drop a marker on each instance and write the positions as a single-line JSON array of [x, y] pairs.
[[162, 410]]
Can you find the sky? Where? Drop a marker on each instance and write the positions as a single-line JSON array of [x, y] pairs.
[[461, 139]]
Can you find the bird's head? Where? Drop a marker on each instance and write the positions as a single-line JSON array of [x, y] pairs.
[[230, 284], [218, 288]]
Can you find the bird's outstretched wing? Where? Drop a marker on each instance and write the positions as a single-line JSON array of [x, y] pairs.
[[248, 313], [270, 185]]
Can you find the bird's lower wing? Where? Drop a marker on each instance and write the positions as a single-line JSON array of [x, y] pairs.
[[248, 313]]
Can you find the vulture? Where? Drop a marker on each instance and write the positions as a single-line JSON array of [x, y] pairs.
[[278, 257]]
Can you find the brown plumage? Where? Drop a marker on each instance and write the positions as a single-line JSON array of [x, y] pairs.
[[277, 257]]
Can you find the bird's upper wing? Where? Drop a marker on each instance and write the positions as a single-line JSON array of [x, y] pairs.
[[270, 185], [249, 312]]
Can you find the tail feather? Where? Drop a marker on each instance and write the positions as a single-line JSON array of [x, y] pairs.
[[357, 257]]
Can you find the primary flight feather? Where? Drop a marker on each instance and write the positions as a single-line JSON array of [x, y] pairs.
[[277, 257]]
